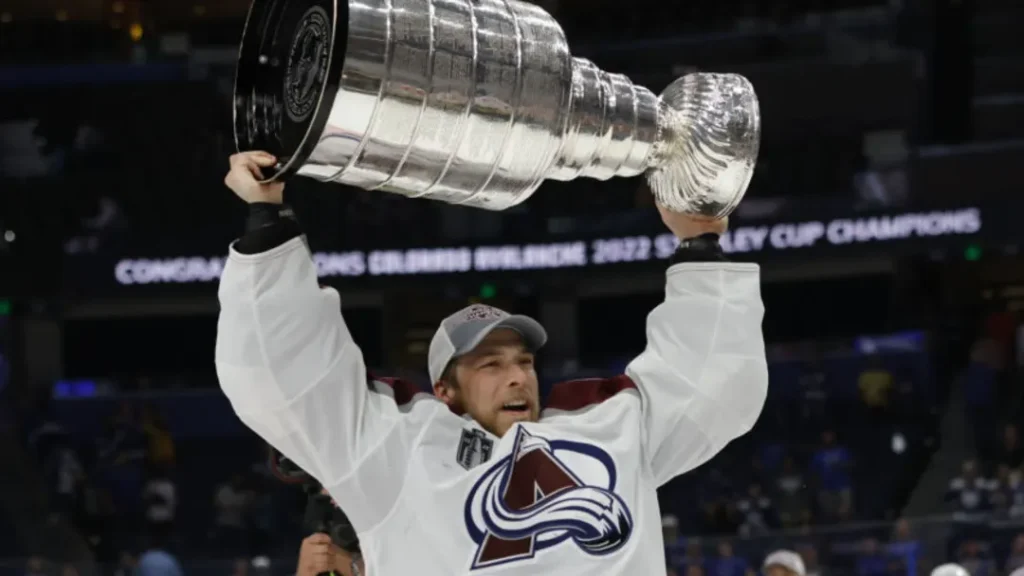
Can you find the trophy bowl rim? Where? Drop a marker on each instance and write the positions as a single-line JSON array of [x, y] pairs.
[[246, 74]]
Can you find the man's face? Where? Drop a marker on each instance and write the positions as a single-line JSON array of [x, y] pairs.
[[777, 570], [495, 384]]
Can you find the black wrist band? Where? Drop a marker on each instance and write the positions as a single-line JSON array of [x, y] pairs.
[[703, 248], [267, 227], [263, 214]]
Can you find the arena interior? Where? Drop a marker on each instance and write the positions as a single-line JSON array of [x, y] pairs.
[[884, 210]]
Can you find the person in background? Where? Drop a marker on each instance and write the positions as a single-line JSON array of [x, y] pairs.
[[970, 493], [831, 465], [160, 495], [158, 561], [791, 493], [231, 504], [727, 563], [159, 442], [875, 384], [756, 512], [809, 554], [694, 558], [872, 560], [950, 570], [318, 555], [976, 560], [675, 553], [1011, 452], [783, 563], [905, 547], [981, 381], [1015, 558]]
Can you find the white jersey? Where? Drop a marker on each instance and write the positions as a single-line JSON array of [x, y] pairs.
[[432, 493]]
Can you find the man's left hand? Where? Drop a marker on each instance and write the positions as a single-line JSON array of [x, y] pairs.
[[685, 226]]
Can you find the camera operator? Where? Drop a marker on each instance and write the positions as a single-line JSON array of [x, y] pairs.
[[333, 547]]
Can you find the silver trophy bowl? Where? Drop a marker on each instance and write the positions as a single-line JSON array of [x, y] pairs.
[[476, 102]]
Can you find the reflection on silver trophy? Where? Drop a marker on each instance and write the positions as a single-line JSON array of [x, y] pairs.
[[476, 102]]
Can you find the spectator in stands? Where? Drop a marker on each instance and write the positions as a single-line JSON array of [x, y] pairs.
[[260, 519], [814, 394], [161, 499], [120, 458], [157, 561], [970, 493], [159, 443], [810, 556], [67, 475], [230, 504], [1001, 495], [694, 558], [675, 553], [1011, 453], [831, 465], [873, 561], [980, 382], [904, 547], [727, 563], [1016, 491], [756, 512], [974, 557], [790, 493], [1015, 558], [783, 563], [875, 384]]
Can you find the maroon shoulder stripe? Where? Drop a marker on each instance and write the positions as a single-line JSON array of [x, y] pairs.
[[578, 394], [402, 389]]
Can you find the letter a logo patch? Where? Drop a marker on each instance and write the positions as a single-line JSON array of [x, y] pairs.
[[531, 501]]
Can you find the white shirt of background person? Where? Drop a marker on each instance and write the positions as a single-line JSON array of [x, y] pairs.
[[166, 500]]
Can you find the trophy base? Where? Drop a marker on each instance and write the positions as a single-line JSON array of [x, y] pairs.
[[288, 67]]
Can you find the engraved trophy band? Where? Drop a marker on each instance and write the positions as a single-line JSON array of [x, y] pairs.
[[476, 102]]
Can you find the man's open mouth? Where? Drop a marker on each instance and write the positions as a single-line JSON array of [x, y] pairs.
[[521, 406]]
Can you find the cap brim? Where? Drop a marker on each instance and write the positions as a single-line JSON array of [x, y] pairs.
[[534, 335]]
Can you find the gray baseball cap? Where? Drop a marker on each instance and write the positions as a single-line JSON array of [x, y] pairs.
[[786, 559], [463, 331]]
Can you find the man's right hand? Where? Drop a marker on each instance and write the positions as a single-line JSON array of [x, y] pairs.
[[244, 178], [316, 556]]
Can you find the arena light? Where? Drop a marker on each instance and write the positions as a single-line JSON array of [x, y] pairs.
[[575, 254]]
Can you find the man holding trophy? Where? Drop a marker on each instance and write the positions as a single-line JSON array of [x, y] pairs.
[[476, 102]]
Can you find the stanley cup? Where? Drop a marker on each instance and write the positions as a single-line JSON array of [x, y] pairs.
[[476, 102]]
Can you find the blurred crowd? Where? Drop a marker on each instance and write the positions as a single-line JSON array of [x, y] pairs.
[[836, 499]]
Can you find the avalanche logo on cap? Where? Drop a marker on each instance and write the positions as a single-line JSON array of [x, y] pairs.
[[482, 312]]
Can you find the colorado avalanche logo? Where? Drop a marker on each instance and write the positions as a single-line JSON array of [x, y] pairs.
[[532, 500]]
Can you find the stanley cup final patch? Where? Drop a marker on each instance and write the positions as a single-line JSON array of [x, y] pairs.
[[307, 63], [474, 449]]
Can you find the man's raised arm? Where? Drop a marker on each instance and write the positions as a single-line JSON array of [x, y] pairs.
[[289, 366], [703, 378]]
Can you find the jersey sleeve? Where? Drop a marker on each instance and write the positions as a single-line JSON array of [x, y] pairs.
[[703, 377], [288, 364]]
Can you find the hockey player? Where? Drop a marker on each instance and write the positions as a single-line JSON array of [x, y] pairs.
[[480, 478]]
